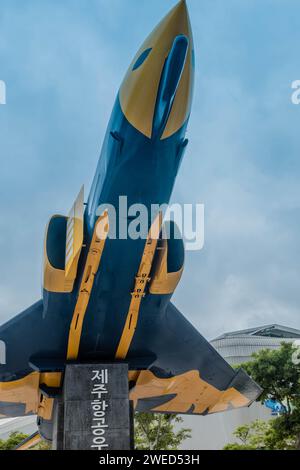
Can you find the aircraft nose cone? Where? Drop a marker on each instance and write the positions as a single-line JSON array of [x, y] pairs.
[[156, 93]]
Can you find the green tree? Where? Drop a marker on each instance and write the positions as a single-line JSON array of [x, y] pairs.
[[250, 436], [14, 439], [278, 373], [157, 432]]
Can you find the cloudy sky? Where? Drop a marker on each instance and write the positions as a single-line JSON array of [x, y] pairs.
[[63, 61]]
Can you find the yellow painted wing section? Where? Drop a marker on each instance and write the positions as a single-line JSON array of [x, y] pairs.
[[24, 391], [189, 390]]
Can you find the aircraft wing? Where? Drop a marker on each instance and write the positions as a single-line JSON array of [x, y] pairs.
[[22, 338], [185, 374], [188, 375]]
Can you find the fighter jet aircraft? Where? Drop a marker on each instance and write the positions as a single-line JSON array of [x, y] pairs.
[[108, 298]]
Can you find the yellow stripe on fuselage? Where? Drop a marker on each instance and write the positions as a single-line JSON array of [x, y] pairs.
[[90, 270], [141, 282]]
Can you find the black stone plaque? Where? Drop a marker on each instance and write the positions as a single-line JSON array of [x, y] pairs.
[[94, 411]]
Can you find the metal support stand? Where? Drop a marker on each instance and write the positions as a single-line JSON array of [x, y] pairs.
[[94, 411]]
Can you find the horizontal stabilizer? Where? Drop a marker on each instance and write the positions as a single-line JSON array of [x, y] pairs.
[[188, 376]]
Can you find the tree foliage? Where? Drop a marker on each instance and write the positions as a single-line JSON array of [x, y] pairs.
[[251, 436], [157, 432], [13, 441], [278, 373]]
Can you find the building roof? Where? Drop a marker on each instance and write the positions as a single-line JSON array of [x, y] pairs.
[[269, 331]]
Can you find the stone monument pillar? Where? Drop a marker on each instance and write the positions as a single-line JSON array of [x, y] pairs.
[[94, 411]]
